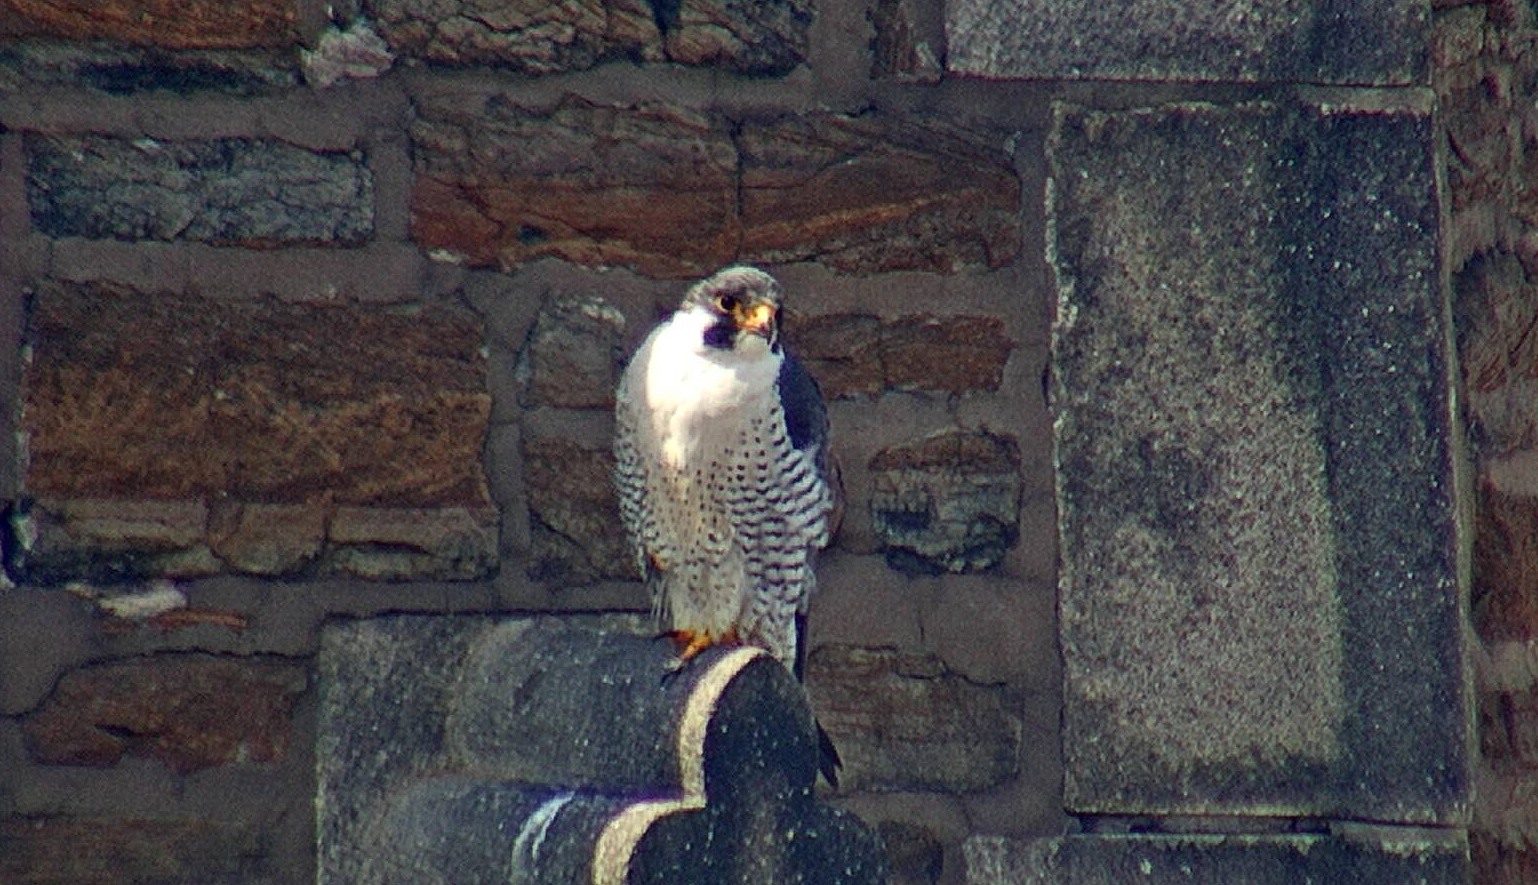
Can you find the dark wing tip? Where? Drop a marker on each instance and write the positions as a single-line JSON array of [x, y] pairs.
[[806, 416]]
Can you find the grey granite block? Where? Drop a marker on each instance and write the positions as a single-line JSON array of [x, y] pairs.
[[1382, 858], [1261, 563], [1378, 42]]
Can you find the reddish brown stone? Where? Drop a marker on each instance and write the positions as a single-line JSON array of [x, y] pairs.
[[677, 194], [843, 352], [111, 851], [650, 188], [169, 24], [270, 539], [400, 543], [573, 512], [902, 721], [535, 36], [1505, 596], [869, 194], [952, 354], [173, 397], [189, 711], [855, 355]]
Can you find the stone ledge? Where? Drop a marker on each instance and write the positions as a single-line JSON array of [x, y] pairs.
[[1383, 857], [553, 749]]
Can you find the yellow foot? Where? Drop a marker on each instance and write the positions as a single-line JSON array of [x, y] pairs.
[[691, 643]]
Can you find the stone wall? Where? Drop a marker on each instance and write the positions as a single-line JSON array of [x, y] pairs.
[[1487, 79], [310, 318], [313, 312]]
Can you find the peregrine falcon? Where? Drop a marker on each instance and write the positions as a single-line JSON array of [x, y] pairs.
[[721, 463]]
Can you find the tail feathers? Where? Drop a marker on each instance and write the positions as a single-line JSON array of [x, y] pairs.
[[828, 761]]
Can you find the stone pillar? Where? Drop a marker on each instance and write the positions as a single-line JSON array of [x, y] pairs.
[[541, 750], [1264, 567]]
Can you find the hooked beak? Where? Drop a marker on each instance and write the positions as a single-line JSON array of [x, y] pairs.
[[758, 319]]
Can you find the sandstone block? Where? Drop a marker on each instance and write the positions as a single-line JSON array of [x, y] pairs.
[[269, 539], [110, 851], [229, 191], [903, 50], [1255, 463], [573, 355], [868, 194], [501, 185], [949, 503], [574, 512], [1382, 42], [400, 543], [165, 398], [540, 38], [167, 24], [186, 710], [903, 722], [673, 193], [1505, 594], [858, 355]]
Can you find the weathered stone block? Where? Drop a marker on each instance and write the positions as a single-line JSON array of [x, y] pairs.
[[400, 543], [1260, 575], [679, 194], [110, 851], [1505, 593], [229, 191], [502, 185], [573, 355], [904, 722], [120, 69], [1310, 41], [949, 503], [1496, 310], [574, 521], [1376, 857], [868, 194], [269, 539], [188, 711], [540, 37], [168, 24], [140, 403], [903, 50], [858, 355]]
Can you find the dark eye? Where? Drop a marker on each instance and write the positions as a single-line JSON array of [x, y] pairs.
[[727, 303]]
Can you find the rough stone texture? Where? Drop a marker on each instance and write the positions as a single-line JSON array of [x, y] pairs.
[[1254, 444], [573, 356], [125, 70], [141, 409], [189, 711], [401, 543], [916, 854], [576, 535], [1485, 74], [1375, 857], [229, 191], [167, 24], [112, 851], [539, 37], [902, 49], [858, 355], [865, 194], [1382, 42], [501, 185], [673, 193], [902, 721], [462, 749], [948, 503]]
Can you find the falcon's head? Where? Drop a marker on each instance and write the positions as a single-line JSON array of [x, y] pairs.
[[740, 309]]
